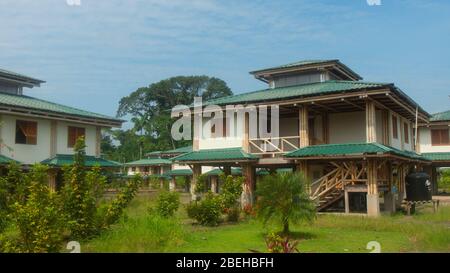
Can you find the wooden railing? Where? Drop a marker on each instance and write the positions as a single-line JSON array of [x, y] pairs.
[[274, 145]]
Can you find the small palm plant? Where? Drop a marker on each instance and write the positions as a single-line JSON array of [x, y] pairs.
[[283, 198]]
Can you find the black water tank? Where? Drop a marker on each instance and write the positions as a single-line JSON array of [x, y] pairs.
[[418, 187]]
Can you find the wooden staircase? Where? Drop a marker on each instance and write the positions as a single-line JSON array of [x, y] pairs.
[[330, 188]]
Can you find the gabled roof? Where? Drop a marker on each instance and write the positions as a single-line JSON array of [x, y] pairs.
[[6, 160], [19, 78], [228, 154], [303, 90], [351, 149], [49, 108], [442, 116], [307, 65], [61, 160], [149, 162]]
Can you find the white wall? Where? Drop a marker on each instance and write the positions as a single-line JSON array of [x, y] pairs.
[[62, 136], [25, 153], [347, 127], [30, 154], [397, 143], [425, 141]]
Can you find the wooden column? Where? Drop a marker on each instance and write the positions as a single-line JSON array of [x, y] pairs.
[[371, 123], [373, 204], [53, 138], [196, 172], [52, 174], [303, 126], [246, 139], [247, 197], [172, 183], [385, 128], [302, 167], [227, 170], [98, 141], [214, 183], [325, 129]]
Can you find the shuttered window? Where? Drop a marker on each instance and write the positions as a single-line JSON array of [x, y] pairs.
[[440, 137], [26, 132], [394, 127], [74, 134]]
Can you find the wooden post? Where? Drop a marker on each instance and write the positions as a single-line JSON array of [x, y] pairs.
[[245, 140], [371, 123], [303, 126], [249, 185], [52, 173], [214, 183], [196, 172], [227, 170], [302, 167], [346, 202], [373, 204], [98, 141], [325, 129], [385, 127], [172, 183]]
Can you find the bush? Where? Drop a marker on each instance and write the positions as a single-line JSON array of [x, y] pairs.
[[167, 203], [39, 219], [233, 214], [206, 212]]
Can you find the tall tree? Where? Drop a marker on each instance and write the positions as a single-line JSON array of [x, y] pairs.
[[149, 107]]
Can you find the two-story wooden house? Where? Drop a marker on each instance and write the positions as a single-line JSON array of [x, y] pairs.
[[354, 140]]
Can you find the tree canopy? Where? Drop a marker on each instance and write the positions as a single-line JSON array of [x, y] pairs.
[[149, 110]]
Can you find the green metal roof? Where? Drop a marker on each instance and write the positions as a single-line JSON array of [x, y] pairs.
[[14, 75], [217, 172], [442, 116], [280, 170], [42, 105], [6, 160], [303, 90], [180, 150], [334, 150], [304, 63], [179, 172], [90, 161], [437, 156], [149, 162], [216, 155]]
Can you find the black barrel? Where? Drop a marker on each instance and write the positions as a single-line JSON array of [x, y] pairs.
[[418, 187]]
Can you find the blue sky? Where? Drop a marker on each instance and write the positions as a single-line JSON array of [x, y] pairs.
[[94, 54]]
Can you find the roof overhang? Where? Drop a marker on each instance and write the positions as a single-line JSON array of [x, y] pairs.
[[30, 112]]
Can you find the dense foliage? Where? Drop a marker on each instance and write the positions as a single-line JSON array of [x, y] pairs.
[[207, 211], [284, 199], [444, 180], [167, 203]]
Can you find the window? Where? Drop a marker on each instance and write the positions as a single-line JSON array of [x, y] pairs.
[[440, 137], [26, 132], [74, 134], [394, 127], [406, 132]]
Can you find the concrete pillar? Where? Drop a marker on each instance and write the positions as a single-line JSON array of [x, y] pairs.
[[247, 197], [389, 202], [346, 202], [196, 172], [373, 202], [172, 183], [214, 183]]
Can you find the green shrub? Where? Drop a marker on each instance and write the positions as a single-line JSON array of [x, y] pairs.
[[167, 203], [39, 219], [230, 195], [207, 211]]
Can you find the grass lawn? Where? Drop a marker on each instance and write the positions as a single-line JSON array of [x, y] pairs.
[[138, 232]]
